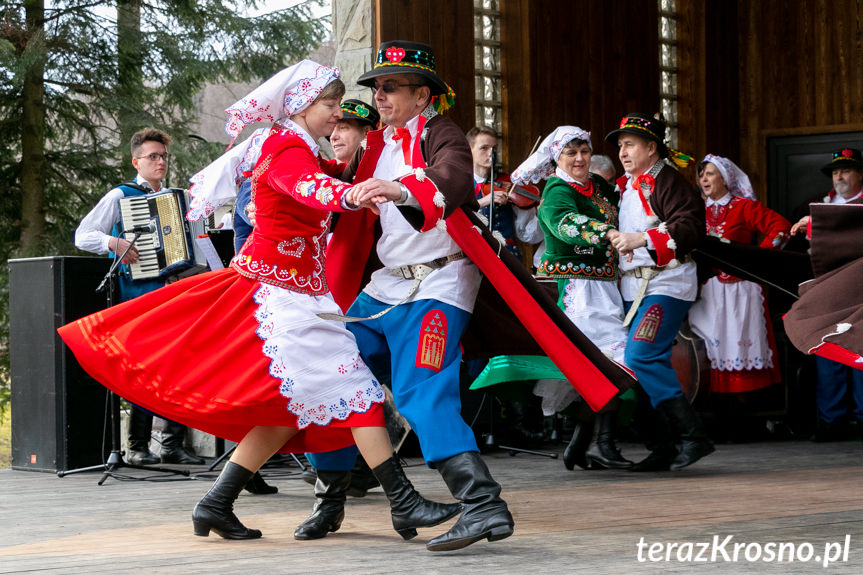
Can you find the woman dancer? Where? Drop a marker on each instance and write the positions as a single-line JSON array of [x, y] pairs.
[[241, 352]]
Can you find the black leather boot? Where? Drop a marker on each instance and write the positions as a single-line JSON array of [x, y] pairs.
[[215, 511], [173, 436], [140, 427], [258, 486], [574, 454], [603, 452], [685, 423], [409, 509], [330, 490], [653, 429], [485, 514]]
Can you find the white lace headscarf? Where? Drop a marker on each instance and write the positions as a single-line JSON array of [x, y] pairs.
[[735, 179], [287, 93], [540, 165]]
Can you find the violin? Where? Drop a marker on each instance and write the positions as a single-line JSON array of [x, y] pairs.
[[524, 197]]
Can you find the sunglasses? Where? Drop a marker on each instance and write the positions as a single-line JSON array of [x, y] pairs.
[[390, 87]]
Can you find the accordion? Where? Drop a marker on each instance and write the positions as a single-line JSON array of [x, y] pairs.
[[170, 250]]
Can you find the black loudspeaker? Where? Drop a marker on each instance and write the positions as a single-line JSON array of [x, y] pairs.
[[58, 411]]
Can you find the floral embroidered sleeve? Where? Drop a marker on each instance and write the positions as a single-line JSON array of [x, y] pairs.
[[563, 217], [291, 168]]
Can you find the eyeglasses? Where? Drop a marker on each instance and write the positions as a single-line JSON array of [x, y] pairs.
[[154, 157], [390, 87]]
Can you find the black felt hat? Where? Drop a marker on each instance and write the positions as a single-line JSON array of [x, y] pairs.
[[403, 57], [643, 125], [844, 158], [361, 112]]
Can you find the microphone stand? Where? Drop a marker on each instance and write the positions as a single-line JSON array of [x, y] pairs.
[[115, 458]]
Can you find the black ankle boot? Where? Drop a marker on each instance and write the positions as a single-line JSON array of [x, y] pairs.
[[685, 423], [485, 514], [603, 452], [258, 486], [329, 511], [173, 437], [574, 454], [409, 509], [215, 511]]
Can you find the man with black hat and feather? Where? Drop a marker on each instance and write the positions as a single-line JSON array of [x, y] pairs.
[[661, 220]]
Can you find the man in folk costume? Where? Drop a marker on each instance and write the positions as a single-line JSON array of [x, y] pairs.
[[425, 316], [661, 220]]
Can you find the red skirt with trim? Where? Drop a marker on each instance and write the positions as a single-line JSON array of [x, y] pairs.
[[190, 352]]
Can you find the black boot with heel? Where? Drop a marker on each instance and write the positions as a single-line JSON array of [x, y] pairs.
[[331, 489], [215, 511], [603, 452], [409, 509], [485, 514]]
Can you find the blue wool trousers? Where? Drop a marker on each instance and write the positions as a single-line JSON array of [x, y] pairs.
[[648, 347], [418, 344]]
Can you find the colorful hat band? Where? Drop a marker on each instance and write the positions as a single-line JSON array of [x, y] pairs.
[[395, 56], [624, 124], [357, 110]]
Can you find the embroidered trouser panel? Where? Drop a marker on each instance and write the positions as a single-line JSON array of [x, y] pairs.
[[648, 348], [418, 344], [833, 381]]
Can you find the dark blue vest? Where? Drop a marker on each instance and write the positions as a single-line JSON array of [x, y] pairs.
[[127, 287]]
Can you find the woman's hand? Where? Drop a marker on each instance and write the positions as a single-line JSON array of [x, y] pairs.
[[373, 192]]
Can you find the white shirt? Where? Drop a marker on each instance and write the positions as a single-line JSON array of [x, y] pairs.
[[456, 283], [94, 231], [680, 282]]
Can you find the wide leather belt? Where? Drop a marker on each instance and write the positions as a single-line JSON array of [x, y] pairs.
[[416, 272]]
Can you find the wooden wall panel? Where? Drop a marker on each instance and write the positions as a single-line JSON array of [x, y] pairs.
[[447, 25], [708, 82], [585, 62], [800, 72]]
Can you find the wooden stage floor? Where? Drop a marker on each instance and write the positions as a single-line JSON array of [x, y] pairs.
[[764, 496]]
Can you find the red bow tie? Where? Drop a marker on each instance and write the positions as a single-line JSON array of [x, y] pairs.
[[404, 135], [644, 179]]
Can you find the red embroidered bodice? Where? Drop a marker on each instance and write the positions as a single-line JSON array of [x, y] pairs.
[[293, 200]]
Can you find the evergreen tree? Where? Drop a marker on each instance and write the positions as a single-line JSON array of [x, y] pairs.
[[78, 77]]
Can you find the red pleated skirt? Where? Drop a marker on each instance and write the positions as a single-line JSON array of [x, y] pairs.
[[190, 352]]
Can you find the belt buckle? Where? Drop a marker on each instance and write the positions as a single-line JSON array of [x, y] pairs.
[[407, 272]]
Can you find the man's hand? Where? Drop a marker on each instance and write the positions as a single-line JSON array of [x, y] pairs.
[[626, 243], [120, 245], [501, 197], [800, 226], [372, 192]]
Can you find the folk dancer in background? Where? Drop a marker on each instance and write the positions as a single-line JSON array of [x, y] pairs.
[[577, 212], [661, 220], [731, 314]]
